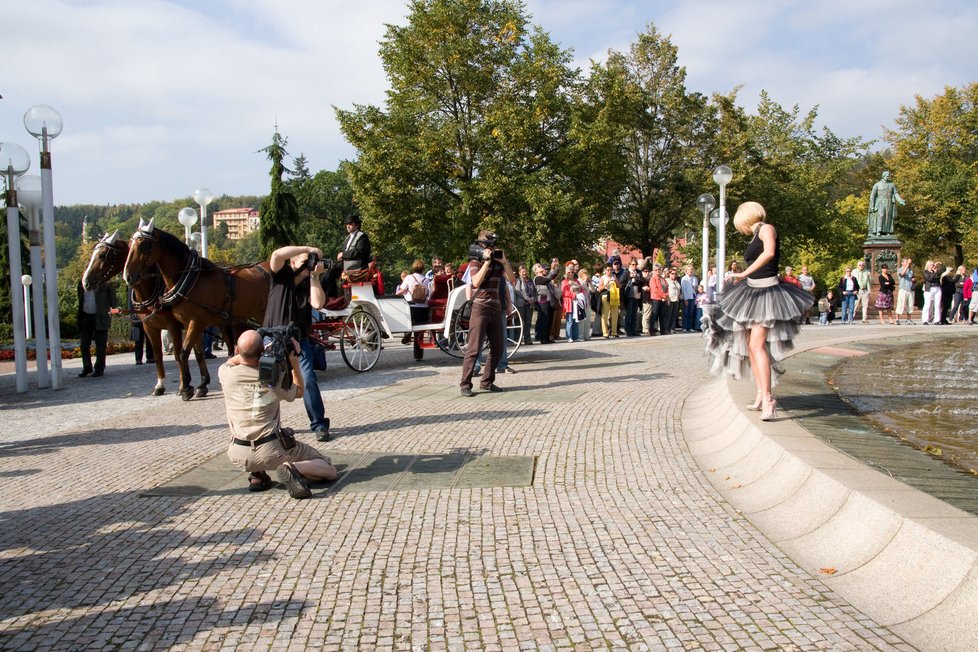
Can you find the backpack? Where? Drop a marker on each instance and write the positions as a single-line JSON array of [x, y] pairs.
[[419, 293]]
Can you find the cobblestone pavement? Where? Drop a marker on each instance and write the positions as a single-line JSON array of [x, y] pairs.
[[619, 543]]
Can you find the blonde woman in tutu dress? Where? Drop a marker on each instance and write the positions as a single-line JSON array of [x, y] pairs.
[[752, 327]]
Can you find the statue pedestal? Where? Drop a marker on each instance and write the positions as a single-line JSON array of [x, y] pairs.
[[879, 250]]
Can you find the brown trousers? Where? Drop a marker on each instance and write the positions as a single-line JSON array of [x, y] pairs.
[[486, 321]]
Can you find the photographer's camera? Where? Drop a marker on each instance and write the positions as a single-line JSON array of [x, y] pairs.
[[275, 365]]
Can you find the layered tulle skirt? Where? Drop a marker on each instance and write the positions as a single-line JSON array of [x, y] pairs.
[[779, 307]]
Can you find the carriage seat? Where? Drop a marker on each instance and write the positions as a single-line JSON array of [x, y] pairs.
[[439, 291], [337, 303]]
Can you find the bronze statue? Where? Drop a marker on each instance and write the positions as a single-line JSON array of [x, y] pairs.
[[882, 206]]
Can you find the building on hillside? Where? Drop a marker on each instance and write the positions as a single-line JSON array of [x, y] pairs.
[[240, 221]]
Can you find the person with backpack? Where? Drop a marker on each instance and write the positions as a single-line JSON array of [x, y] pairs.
[[415, 290]]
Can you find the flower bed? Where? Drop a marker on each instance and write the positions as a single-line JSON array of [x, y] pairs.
[[7, 352]]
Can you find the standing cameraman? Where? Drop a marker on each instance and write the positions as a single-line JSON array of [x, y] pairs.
[[258, 441], [487, 267], [294, 292]]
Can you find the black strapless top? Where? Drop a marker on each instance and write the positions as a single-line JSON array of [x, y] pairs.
[[755, 249]]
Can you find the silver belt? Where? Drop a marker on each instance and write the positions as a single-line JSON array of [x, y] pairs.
[[770, 281]]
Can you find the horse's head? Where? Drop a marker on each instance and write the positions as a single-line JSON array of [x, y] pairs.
[[143, 253], [107, 260]]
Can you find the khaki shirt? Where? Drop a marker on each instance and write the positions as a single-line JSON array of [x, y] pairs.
[[862, 277], [252, 407]]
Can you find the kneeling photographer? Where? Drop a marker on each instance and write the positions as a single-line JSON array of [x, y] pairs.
[[487, 269], [264, 372]]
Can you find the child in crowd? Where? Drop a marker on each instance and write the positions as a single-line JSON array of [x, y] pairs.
[[823, 310], [702, 299]]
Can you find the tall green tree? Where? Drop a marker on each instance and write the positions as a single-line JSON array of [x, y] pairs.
[[324, 200], [279, 211], [665, 135], [935, 167], [803, 176], [479, 131]]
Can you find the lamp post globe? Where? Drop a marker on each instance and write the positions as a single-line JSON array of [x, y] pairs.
[[203, 196], [722, 175], [188, 217], [30, 197], [715, 217], [43, 122], [14, 161]]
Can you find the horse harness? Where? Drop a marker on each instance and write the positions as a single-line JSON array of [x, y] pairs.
[[188, 280]]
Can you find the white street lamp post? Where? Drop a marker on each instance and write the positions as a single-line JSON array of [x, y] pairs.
[[30, 196], [44, 123], [203, 196], [25, 280], [706, 204], [187, 217], [722, 176], [13, 163]]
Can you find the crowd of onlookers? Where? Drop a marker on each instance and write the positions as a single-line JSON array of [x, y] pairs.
[[946, 294], [642, 297]]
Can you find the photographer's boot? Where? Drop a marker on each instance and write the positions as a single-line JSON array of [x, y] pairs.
[[293, 481]]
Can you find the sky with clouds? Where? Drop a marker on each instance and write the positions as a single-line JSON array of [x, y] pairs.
[[160, 97]]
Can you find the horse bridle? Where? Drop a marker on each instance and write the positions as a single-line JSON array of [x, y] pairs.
[[110, 257]]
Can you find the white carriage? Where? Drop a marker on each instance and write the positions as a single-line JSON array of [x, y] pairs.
[[362, 323]]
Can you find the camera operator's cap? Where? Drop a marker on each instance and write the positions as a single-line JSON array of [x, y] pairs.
[[352, 218]]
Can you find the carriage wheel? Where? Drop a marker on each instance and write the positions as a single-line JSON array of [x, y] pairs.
[[514, 332], [451, 344], [360, 341], [460, 336]]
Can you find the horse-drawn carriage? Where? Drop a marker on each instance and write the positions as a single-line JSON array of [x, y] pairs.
[[361, 320], [174, 289]]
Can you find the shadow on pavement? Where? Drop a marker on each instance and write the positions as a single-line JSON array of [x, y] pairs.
[[39, 445], [127, 550]]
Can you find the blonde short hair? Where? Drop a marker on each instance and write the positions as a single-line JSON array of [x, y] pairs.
[[748, 214]]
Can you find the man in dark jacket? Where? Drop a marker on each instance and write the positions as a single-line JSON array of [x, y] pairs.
[[94, 318]]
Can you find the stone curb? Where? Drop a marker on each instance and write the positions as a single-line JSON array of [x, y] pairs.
[[907, 559]]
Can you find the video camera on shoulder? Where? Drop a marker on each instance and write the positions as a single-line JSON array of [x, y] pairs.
[[477, 248], [275, 366]]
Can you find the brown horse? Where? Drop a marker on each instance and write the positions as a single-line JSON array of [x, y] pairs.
[[199, 293], [106, 262]]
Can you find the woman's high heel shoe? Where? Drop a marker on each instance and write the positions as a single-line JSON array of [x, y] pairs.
[[770, 410], [756, 405]]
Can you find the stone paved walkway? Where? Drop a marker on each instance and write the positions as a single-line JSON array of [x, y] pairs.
[[620, 543]]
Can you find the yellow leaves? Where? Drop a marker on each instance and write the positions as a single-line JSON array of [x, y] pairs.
[[508, 33], [933, 450]]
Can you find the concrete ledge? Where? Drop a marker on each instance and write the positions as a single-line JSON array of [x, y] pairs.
[[907, 559]]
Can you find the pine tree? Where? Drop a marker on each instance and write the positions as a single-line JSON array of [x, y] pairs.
[[279, 210]]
